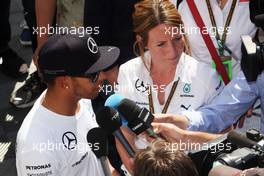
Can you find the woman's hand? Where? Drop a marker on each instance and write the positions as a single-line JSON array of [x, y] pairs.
[[178, 120], [174, 134], [170, 132]]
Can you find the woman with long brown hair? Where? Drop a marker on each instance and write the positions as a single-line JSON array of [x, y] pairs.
[[164, 78]]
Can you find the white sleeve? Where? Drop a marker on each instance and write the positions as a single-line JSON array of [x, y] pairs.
[[36, 163], [212, 83]]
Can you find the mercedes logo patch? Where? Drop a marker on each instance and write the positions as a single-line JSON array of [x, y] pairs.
[[69, 140], [140, 86]]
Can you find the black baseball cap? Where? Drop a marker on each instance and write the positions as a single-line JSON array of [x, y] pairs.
[[72, 55]]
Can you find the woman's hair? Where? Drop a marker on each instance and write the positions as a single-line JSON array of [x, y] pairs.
[[159, 160], [151, 13]]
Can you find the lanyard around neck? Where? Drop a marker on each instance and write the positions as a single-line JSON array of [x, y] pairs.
[[222, 41], [164, 110]]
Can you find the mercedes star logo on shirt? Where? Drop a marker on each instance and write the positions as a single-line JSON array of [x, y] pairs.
[[92, 46], [140, 86], [69, 140]]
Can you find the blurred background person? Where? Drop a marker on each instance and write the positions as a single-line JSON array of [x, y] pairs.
[[10, 63], [225, 21]]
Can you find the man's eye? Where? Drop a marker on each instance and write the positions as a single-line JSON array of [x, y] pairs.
[[161, 44]]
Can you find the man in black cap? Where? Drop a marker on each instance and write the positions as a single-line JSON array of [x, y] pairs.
[[52, 138]]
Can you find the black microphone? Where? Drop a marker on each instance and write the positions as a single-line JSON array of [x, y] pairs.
[[240, 139], [108, 119], [139, 119], [98, 139], [259, 20]]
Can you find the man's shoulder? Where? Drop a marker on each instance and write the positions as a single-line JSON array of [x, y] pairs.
[[33, 128]]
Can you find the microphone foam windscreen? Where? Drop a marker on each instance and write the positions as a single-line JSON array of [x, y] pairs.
[[108, 119], [114, 100], [97, 138], [129, 109], [259, 20]]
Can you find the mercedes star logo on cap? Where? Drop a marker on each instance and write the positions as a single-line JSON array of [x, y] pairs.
[[92, 45]]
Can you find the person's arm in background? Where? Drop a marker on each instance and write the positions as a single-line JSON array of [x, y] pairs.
[[224, 110], [174, 134], [235, 99], [45, 12]]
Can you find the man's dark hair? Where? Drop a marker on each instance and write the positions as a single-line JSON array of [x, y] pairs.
[[158, 160]]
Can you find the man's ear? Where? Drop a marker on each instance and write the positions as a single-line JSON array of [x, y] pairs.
[[63, 82]]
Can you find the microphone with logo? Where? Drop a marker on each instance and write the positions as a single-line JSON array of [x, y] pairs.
[[139, 119], [97, 137], [108, 119]]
